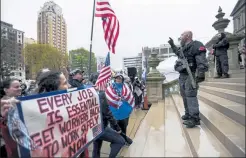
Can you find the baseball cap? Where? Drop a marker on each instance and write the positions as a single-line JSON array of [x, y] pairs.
[[76, 71]]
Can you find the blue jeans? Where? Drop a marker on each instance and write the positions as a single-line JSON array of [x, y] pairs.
[[109, 135]]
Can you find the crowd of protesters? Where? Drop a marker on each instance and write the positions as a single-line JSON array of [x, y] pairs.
[[48, 81]]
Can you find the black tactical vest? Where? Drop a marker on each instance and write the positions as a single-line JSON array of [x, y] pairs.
[[189, 52]]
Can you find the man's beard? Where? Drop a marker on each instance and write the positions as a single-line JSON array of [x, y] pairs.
[[182, 43]]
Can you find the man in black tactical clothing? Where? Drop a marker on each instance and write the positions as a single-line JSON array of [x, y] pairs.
[[220, 52], [76, 78], [195, 53]]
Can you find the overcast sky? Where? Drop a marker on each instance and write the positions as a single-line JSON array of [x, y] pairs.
[[142, 22]]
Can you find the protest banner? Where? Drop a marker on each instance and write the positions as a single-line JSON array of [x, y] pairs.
[[62, 123]]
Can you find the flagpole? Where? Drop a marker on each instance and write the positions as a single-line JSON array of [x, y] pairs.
[[92, 27]]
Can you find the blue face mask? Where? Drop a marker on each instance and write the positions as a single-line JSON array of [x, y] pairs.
[[118, 84]]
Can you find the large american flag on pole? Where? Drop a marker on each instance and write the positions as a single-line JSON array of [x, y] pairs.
[[110, 23], [104, 75]]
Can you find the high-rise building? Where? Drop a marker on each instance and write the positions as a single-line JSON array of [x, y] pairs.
[[132, 62], [51, 26], [11, 50]]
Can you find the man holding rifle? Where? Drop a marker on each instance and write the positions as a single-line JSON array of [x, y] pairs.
[[192, 65]]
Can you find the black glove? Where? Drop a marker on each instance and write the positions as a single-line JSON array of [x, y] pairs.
[[170, 41]]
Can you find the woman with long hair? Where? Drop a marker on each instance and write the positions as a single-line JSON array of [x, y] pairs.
[[9, 88]]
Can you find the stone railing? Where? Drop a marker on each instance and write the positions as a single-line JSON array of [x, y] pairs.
[[170, 88]]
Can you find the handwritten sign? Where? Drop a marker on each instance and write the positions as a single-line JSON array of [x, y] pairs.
[[63, 123]]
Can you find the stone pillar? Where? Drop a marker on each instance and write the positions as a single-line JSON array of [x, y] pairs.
[[233, 52], [154, 80]]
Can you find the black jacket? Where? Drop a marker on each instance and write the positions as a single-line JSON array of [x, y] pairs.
[[221, 47], [195, 53], [107, 116], [75, 83]]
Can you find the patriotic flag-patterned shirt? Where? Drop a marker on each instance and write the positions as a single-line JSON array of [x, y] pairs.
[[114, 99]]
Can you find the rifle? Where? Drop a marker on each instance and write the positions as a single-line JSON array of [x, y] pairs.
[[186, 65]]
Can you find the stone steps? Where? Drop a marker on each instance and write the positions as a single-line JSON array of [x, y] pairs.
[[160, 134], [229, 80], [149, 139], [235, 96], [221, 119], [134, 122], [231, 86], [176, 144], [201, 140], [233, 110], [230, 133]]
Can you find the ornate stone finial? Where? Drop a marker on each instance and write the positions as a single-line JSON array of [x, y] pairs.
[[220, 10], [221, 23], [153, 63]]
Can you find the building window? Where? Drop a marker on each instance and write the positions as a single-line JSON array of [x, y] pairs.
[[20, 74]]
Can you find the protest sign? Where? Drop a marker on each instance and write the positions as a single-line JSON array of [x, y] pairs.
[[62, 123]]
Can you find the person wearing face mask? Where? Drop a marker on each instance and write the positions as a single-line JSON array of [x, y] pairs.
[[8, 88], [121, 103], [195, 54], [220, 52]]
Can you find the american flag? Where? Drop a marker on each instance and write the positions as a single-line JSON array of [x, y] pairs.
[[96, 130], [110, 23], [104, 75]]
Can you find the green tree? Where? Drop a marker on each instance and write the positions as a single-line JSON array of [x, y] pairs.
[[79, 58], [39, 56]]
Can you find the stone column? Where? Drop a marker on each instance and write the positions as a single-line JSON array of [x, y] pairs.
[[154, 80], [233, 52]]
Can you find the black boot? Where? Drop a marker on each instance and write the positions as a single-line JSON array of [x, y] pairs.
[[127, 139], [218, 76], [185, 117], [226, 76], [191, 123]]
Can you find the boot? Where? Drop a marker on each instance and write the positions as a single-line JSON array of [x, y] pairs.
[[226, 76], [191, 123], [218, 76], [185, 117], [127, 139]]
